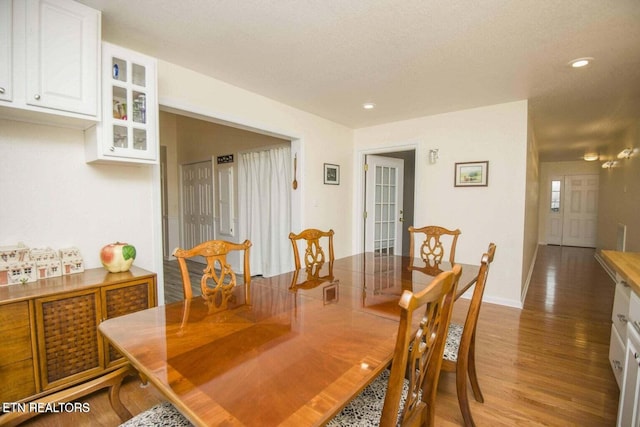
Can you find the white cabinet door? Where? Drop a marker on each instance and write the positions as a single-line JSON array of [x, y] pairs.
[[129, 128], [62, 56], [6, 60], [628, 414]]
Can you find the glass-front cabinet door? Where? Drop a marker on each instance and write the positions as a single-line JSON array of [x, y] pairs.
[[130, 108]]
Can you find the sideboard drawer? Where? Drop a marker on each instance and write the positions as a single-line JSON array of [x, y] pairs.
[[16, 352]]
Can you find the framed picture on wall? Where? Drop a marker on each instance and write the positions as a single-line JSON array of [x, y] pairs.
[[331, 174], [471, 174]]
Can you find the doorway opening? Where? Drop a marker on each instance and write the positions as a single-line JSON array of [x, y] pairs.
[[186, 139], [388, 184]]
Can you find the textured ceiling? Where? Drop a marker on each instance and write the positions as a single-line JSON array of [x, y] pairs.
[[410, 57]]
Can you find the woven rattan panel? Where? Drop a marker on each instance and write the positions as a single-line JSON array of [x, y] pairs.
[[70, 333], [125, 300]]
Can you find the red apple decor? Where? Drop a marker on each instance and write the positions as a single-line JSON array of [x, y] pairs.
[[117, 257]]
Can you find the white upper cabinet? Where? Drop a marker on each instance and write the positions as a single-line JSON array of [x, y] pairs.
[[129, 128], [6, 60], [55, 61], [63, 44]]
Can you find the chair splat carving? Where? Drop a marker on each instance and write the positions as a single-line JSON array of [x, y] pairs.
[[313, 254], [432, 250], [218, 278]]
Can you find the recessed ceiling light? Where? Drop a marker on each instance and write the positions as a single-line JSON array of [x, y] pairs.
[[368, 105], [591, 157], [581, 62]]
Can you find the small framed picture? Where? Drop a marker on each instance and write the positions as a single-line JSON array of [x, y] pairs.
[[331, 174], [472, 174]]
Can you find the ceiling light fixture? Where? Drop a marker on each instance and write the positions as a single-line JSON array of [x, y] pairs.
[[581, 62], [626, 153], [610, 164], [368, 105], [591, 157]]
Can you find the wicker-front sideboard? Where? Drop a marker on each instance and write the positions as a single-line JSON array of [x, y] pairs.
[[50, 339]]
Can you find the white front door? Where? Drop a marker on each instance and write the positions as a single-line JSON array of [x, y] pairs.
[[580, 213], [197, 204], [383, 203]]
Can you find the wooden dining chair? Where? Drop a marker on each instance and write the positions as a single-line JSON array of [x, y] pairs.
[[412, 381], [313, 254], [223, 281], [460, 347], [218, 279], [433, 250]]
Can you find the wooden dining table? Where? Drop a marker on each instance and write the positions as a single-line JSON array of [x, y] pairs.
[[307, 343]]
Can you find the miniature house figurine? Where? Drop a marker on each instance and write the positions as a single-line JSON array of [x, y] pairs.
[[71, 260], [47, 262], [16, 266]]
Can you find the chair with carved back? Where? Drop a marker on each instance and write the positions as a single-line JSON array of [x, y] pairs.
[[432, 249], [223, 280], [313, 254], [412, 381], [459, 354], [218, 279]]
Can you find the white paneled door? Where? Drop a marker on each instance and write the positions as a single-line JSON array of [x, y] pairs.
[[383, 203], [580, 213], [573, 210], [197, 204]]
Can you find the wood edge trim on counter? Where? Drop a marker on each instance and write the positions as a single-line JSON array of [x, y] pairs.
[[626, 264]]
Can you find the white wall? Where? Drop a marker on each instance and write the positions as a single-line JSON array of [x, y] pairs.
[[51, 197], [532, 195], [619, 199], [494, 213]]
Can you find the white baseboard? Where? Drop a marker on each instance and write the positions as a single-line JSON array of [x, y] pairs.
[[523, 295], [503, 301]]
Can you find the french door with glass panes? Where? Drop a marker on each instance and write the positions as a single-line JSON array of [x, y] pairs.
[[383, 204]]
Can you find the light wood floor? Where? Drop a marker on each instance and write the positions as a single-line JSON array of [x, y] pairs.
[[544, 365]]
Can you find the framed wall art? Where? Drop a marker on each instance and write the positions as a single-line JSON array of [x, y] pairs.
[[331, 174], [471, 174]]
